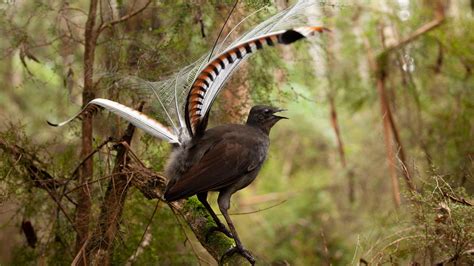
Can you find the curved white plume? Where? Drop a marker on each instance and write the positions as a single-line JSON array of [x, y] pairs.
[[138, 119]]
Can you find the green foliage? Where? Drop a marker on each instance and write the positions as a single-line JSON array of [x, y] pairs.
[[297, 210], [438, 229]]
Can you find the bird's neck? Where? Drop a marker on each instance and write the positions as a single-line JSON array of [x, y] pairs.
[[264, 129]]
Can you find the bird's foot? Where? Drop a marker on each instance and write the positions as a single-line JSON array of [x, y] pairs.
[[240, 250], [221, 228]]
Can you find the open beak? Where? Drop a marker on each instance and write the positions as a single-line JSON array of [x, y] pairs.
[[277, 116]]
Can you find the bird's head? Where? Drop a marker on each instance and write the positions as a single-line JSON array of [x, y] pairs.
[[264, 117]]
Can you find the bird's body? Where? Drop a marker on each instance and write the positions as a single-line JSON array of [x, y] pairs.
[[225, 158]]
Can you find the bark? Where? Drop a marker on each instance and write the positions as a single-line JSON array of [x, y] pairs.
[[235, 97]]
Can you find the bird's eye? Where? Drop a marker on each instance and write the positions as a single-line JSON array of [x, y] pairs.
[[267, 111]]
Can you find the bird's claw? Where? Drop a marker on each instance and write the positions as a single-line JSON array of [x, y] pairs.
[[242, 251], [221, 229]]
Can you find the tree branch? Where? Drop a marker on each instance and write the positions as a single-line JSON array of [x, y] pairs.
[[40, 177], [440, 17], [123, 18]]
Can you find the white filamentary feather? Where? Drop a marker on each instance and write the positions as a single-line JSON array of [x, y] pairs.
[[138, 119]]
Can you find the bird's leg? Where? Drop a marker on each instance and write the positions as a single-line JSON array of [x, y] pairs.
[[202, 197], [224, 203]]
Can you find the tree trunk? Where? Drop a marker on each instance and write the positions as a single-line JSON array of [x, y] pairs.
[[235, 98], [100, 247], [83, 210]]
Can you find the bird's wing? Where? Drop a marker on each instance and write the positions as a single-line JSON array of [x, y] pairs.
[[220, 167]]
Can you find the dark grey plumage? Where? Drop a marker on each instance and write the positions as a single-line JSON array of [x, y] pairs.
[[225, 158]]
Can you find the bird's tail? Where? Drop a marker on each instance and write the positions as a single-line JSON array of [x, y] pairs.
[[138, 119]]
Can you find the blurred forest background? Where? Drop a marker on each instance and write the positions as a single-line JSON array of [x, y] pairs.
[[374, 166]]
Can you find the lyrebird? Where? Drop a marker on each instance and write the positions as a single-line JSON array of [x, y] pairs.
[[225, 158]]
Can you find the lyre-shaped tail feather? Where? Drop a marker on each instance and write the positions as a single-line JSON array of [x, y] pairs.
[[212, 77], [138, 119], [184, 99]]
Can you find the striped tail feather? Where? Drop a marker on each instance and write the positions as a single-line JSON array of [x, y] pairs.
[[138, 119], [212, 77]]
